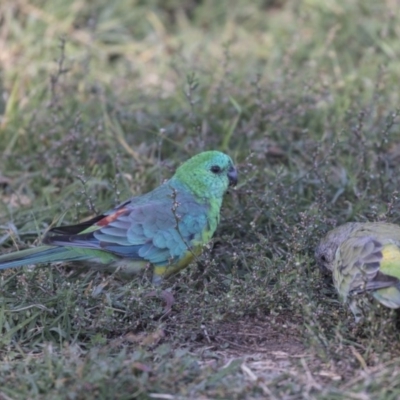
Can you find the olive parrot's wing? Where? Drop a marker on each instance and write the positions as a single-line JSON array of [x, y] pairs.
[[366, 264]]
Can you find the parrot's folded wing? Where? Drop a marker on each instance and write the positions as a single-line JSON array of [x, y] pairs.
[[386, 285], [370, 264], [150, 232]]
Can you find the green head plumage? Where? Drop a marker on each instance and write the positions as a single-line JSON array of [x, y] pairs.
[[207, 174]]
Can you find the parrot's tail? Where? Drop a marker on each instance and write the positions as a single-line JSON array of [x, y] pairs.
[[38, 255], [389, 297]]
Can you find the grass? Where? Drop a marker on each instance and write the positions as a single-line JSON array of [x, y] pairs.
[[101, 101]]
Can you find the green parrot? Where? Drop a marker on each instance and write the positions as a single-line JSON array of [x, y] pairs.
[[165, 228], [363, 257]]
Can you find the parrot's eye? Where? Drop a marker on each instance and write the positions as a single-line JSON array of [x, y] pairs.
[[215, 169], [323, 258]]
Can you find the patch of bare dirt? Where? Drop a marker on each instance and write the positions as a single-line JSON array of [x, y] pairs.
[[268, 349], [270, 334]]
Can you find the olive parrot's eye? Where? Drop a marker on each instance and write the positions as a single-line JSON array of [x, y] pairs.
[[215, 169]]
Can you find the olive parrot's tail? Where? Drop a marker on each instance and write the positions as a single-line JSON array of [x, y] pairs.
[[389, 297]]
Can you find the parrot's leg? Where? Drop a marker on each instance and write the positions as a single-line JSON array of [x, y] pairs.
[[165, 295]]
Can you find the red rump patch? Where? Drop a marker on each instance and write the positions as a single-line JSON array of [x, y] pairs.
[[112, 217]]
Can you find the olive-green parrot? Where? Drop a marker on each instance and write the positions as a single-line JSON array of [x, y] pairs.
[[363, 257]]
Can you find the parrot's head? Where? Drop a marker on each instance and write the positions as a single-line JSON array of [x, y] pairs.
[[325, 252], [208, 174]]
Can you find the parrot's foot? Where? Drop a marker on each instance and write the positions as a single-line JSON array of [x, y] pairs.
[[360, 308], [165, 295]]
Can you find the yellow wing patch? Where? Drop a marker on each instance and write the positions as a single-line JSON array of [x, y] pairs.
[[390, 264]]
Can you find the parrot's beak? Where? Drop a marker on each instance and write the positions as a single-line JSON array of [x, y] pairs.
[[232, 176]]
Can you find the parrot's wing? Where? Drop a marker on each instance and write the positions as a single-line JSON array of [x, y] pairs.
[[159, 231], [366, 263]]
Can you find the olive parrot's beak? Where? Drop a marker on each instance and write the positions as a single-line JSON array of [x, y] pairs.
[[232, 176]]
